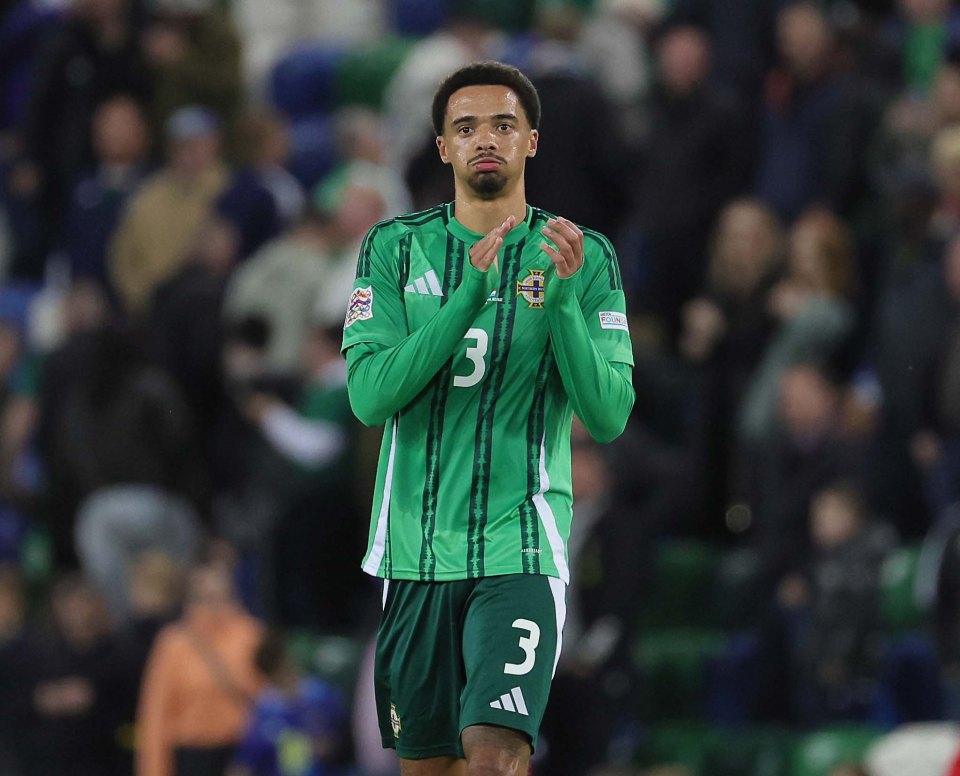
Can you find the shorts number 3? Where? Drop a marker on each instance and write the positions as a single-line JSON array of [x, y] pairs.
[[528, 644]]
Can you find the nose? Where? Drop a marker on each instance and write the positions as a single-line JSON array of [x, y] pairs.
[[486, 140]]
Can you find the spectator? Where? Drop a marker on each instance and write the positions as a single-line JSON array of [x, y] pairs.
[[595, 674], [318, 584], [816, 121], [694, 160], [945, 161], [814, 314], [185, 321], [200, 682], [281, 283], [808, 452], [13, 610], [913, 42], [936, 445], [836, 607], [193, 50], [591, 187], [743, 34], [356, 208], [297, 725], [726, 331], [118, 524], [154, 237], [614, 40], [263, 198], [92, 57], [362, 145], [121, 142], [70, 681], [463, 38], [109, 418]]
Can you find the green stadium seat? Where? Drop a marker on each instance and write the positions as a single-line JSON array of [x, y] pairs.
[[683, 578], [898, 607], [688, 745], [363, 75], [737, 594], [713, 751], [818, 753], [671, 664], [750, 751]]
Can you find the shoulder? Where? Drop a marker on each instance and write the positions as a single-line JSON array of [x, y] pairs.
[[388, 233]]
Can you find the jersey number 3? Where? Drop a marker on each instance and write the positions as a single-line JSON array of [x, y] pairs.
[[475, 354], [528, 644]]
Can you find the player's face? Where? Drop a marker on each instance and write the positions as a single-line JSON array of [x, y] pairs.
[[486, 139]]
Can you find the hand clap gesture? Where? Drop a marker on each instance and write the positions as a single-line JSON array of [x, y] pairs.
[[484, 252], [568, 255]]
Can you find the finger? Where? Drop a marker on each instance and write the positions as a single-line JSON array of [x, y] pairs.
[[482, 257], [555, 256], [562, 242], [572, 227], [574, 234]]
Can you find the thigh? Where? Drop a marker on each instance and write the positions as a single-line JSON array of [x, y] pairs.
[[511, 643], [418, 674]]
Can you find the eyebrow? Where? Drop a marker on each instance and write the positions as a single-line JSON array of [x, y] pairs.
[[495, 117]]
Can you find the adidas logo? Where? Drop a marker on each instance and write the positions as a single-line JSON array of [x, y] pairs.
[[511, 701], [428, 285]]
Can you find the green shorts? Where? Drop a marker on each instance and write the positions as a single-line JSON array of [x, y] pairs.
[[468, 652]]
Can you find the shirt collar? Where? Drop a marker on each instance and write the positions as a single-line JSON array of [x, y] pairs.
[[468, 236]]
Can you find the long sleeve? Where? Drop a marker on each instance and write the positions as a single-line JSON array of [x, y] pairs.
[[600, 391], [381, 380]]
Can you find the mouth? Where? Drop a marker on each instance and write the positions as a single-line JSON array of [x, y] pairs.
[[487, 164]]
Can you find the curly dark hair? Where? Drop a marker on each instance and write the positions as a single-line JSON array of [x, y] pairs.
[[487, 74]]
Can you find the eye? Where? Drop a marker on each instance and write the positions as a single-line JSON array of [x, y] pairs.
[[464, 130], [505, 127]]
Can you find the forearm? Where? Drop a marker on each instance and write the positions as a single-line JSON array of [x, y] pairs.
[[308, 442], [381, 381], [600, 392]]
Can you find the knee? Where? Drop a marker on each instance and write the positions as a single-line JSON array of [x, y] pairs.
[[495, 751]]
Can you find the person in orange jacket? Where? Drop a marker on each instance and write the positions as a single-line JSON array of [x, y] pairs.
[[199, 682]]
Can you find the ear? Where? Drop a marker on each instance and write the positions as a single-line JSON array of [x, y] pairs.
[[534, 139], [442, 148]]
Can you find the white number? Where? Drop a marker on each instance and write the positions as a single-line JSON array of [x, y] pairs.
[[475, 354], [528, 644]]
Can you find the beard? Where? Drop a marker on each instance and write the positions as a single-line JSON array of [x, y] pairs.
[[487, 184]]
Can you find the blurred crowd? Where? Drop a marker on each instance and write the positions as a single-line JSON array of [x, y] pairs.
[[184, 185]]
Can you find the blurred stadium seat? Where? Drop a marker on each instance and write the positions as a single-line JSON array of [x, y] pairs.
[[313, 152], [817, 753], [898, 604], [363, 75], [303, 83], [416, 17]]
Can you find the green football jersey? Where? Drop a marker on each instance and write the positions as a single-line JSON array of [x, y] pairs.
[[474, 473]]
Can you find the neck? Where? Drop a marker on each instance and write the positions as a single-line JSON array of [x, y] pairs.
[[484, 215]]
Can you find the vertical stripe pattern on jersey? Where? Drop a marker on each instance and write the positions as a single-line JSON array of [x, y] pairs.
[[613, 268], [405, 242], [452, 272], [548, 519], [529, 527], [378, 550], [502, 334]]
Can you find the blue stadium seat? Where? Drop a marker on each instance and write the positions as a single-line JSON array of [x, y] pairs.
[[909, 688], [416, 18], [303, 83], [313, 150], [731, 679]]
